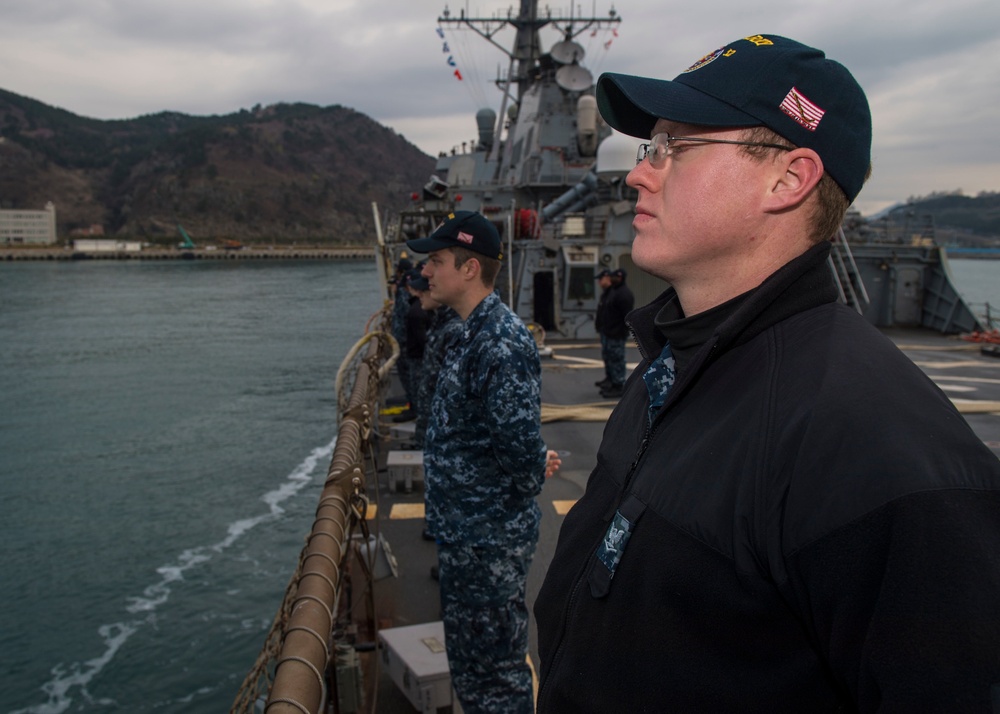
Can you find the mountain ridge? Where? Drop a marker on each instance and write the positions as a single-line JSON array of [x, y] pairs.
[[288, 172], [283, 173]]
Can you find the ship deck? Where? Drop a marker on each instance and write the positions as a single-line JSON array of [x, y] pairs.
[[970, 378]]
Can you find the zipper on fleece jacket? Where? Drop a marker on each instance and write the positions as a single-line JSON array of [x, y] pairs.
[[588, 563]]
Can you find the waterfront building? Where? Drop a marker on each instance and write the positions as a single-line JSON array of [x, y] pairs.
[[106, 245], [22, 227]]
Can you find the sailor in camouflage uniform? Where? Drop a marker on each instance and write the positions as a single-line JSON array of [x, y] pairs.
[[400, 308], [484, 463], [417, 323], [444, 326]]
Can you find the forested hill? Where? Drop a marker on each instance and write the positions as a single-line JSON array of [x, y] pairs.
[[958, 218], [287, 172]]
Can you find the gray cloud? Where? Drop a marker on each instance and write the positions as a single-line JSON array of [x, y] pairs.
[[930, 68]]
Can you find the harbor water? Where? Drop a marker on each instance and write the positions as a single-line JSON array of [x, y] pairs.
[[978, 281], [165, 428]]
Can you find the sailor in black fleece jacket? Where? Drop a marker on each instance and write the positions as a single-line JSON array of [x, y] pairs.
[[786, 515]]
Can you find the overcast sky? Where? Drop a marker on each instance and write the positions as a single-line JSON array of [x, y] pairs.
[[931, 68]]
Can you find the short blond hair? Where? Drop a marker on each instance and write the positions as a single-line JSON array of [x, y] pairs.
[[831, 201]]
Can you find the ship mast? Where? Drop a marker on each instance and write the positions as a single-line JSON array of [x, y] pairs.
[[527, 51]]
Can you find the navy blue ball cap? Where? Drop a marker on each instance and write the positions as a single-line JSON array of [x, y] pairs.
[[762, 80], [462, 229], [602, 274], [620, 274], [419, 283]]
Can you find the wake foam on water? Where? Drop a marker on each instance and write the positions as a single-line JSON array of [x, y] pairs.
[[66, 679]]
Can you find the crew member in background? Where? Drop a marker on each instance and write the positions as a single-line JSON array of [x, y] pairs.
[[484, 463], [417, 322], [400, 309], [787, 514], [615, 303], [442, 330]]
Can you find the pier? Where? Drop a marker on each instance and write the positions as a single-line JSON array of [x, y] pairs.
[[207, 253]]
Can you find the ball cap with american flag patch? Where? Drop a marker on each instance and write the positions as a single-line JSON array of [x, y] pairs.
[[463, 229], [761, 80]]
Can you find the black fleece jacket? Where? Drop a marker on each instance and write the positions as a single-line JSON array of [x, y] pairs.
[[814, 528]]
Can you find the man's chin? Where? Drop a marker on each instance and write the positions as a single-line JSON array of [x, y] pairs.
[[647, 262]]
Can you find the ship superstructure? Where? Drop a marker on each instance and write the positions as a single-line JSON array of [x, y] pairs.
[[551, 174], [546, 170]]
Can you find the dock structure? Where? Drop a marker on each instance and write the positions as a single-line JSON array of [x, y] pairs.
[[247, 253]]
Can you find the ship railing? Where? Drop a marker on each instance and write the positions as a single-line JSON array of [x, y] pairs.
[[846, 274], [987, 315], [990, 319], [293, 667]]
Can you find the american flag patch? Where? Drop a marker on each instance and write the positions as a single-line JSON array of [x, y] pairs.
[[801, 109], [464, 237]]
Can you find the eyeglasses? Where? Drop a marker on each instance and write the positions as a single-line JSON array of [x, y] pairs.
[[662, 145]]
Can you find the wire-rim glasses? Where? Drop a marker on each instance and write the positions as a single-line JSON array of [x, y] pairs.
[[660, 147]]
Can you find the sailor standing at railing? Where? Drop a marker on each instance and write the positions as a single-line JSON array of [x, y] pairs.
[[484, 463], [786, 514], [400, 309]]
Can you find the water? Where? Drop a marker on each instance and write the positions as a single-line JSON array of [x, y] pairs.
[[165, 429], [978, 281]]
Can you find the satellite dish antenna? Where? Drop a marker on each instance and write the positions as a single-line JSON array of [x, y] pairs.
[[567, 52], [574, 78]]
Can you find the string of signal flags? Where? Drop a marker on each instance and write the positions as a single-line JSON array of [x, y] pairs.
[[458, 73]]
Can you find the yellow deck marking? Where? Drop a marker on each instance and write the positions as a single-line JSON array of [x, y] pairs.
[[583, 363], [371, 512], [952, 378], [975, 406], [956, 365], [406, 511], [534, 676], [562, 507], [958, 347], [402, 511]]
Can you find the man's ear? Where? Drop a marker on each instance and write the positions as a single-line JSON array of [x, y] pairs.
[[471, 269], [796, 173]]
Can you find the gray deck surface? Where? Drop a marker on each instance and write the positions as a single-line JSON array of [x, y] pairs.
[[568, 377]]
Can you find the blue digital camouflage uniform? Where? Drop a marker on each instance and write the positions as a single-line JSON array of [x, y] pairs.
[[400, 308], [613, 354], [445, 326], [614, 305], [417, 322], [484, 463]]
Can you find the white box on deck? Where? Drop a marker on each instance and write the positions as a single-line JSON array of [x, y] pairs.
[[406, 466], [402, 431], [417, 662]]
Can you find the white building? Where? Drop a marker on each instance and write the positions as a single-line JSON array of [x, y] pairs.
[[19, 227], [106, 245]]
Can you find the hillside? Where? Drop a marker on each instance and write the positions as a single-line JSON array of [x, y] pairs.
[[288, 172], [957, 219]]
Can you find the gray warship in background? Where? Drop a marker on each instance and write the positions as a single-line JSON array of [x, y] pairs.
[[551, 175]]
